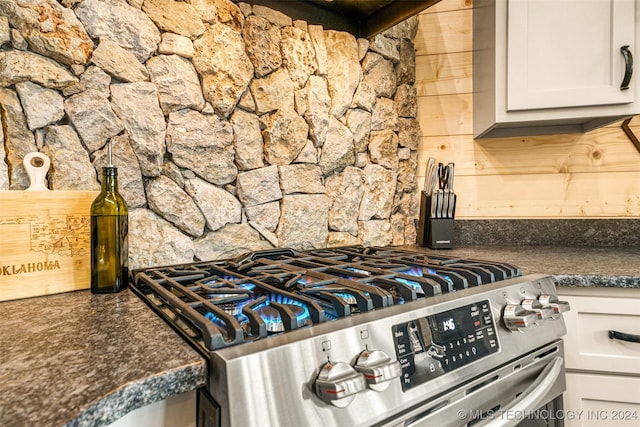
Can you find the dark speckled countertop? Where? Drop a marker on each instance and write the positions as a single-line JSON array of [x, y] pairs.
[[615, 267], [77, 359]]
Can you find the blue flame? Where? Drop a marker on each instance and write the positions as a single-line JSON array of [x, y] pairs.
[[413, 271], [283, 299], [237, 313], [350, 299], [218, 321], [330, 316], [444, 276], [272, 319], [415, 285], [418, 271], [305, 279]]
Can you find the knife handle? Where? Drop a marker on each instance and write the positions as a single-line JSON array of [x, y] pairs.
[[434, 204]]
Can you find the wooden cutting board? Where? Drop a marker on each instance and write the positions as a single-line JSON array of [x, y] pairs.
[[44, 238]]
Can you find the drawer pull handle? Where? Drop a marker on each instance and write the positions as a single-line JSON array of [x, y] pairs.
[[628, 67], [615, 335]]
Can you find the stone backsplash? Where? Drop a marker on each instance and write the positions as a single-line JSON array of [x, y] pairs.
[[233, 128]]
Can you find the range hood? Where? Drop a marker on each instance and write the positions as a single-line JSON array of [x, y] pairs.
[[362, 18]]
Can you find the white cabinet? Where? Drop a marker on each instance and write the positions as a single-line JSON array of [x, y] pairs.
[[175, 411], [601, 400], [588, 324], [567, 53], [603, 374], [553, 66]]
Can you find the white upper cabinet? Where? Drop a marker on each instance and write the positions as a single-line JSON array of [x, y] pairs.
[[567, 53], [554, 66]]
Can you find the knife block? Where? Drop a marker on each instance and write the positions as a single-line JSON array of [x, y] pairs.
[[435, 233]]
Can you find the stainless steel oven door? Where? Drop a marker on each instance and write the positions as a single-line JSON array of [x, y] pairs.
[[525, 391]]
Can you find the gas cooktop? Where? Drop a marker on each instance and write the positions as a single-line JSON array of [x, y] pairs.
[[218, 304], [362, 336]]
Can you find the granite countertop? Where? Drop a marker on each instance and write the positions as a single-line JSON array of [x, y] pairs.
[[77, 359], [617, 267]]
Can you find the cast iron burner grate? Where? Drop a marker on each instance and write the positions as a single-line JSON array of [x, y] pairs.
[[217, 304]]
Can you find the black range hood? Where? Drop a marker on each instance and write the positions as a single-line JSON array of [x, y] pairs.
[[362, 18]]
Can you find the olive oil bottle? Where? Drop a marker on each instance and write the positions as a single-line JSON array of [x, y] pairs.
[[109, 229]]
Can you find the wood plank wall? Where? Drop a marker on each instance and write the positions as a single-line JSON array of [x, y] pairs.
[[593, 175]]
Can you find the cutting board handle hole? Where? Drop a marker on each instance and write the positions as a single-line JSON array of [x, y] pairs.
[[37, 162]]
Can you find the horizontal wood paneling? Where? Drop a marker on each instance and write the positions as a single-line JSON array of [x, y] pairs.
[[566, 195], [548, 195], [596, 174], [444, 32], [446, 114], [444, 74], [449, 5], [599, 151]]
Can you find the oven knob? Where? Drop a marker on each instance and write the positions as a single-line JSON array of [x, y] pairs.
[[535, 306], [338, 383], [552, 302], [378, 369], [517, 317]]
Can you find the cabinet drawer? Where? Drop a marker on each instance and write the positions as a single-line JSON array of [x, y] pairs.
[[587, 343], [601, 400]]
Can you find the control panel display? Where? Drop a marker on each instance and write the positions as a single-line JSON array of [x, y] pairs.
[[434, 345]]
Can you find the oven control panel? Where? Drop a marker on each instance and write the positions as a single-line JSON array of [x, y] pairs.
[[434, 345]]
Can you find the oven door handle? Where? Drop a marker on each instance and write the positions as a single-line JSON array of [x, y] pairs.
[[532, 397]]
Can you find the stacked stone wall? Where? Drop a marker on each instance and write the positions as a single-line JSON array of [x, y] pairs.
[[233, 127]]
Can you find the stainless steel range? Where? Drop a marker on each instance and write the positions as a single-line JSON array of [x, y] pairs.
[[360, 336]]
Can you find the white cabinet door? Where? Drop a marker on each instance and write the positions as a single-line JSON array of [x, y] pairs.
[[601, 400], [588, 346], [567, 53], [545, 67]]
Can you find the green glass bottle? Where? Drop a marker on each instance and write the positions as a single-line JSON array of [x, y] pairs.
[[109, 229]]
